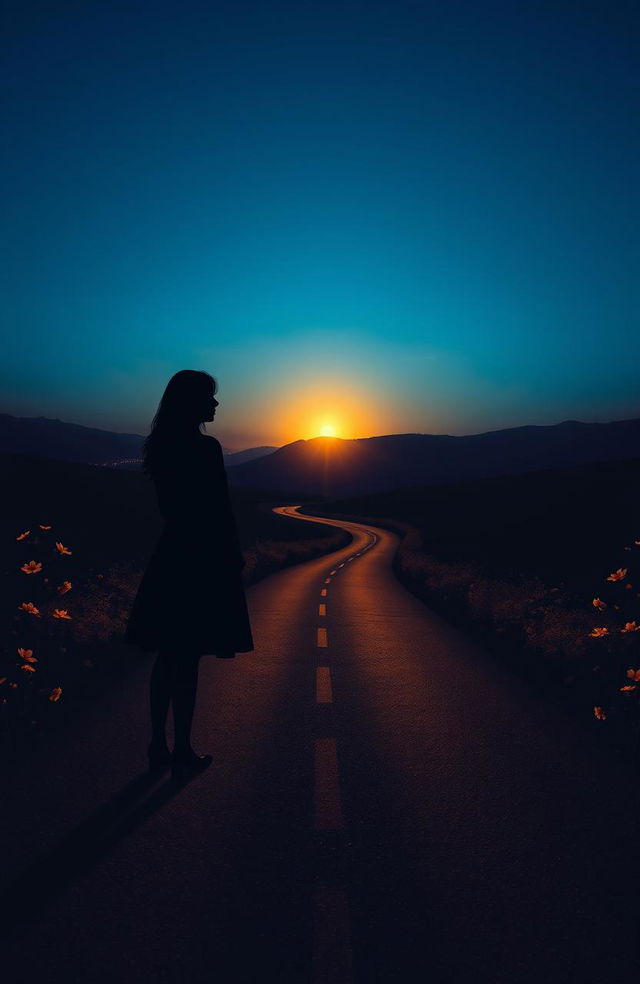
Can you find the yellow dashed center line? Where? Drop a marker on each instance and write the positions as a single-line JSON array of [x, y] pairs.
[[332, 956], [324, 694], [328, 809], [332, 951]]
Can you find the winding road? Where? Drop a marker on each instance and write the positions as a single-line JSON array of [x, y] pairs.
[[386, 804]]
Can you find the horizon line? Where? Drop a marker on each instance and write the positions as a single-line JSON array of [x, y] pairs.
[[324, 437]]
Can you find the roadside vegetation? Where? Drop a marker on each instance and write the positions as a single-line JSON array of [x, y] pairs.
[[533, 566], [76, 540]]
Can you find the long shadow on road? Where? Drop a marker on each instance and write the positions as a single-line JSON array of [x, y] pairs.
[[80, 848]]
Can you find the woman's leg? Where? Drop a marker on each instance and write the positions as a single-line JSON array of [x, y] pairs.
[[183, 696], [160, 690]]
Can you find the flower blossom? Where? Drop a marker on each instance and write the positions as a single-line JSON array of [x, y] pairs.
[[618, 575], [28, 606], [631, 627], [27, 654], [32, 567]]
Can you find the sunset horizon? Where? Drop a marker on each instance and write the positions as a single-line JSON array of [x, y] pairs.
[[433, 236], [218, 432], [320, 440]]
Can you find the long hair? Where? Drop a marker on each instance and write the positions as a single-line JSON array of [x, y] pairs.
[[176, 416]]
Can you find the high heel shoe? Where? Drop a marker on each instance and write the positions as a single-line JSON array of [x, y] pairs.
[[187, 764], [159, 759]]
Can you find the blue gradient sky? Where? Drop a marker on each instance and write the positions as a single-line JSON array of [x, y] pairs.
[[398, 216]]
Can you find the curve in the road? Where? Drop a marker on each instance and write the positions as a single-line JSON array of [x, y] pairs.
[[386, 804]]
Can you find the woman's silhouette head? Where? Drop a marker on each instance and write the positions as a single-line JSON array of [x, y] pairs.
[[187, 402]]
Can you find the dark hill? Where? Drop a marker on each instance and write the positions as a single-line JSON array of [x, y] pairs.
[[46, 437], [53, 438], [566, 525], [334, 467]]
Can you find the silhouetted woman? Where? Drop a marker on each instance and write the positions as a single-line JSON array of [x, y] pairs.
[[191, 599]]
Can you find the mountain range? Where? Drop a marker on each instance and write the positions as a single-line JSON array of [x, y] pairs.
[[48, 437], [333, 467]]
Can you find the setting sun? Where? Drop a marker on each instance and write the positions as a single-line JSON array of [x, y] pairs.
[[321, 401]]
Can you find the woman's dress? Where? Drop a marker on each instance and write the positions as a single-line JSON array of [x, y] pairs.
[[191, 596]]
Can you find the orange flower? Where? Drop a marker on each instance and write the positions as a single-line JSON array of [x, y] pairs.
[[55, 693], [637, 543], [32, 567], [634, 675], [26, 666], [631, 627], [599, 603], [27, 654], [44, 527], [618, 575], [22, 535], [60, 547], [599, 630], [64, 587], [2, 679], [60, 613], [628, 688], [599, 713], [28, 606]]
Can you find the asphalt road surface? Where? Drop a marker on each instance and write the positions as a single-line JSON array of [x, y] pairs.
[[386, 804]]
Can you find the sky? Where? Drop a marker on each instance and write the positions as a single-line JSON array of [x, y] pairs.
[[360, 217]]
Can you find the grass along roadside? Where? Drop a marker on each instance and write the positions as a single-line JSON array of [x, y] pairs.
[[51, 665], [544, 633], [76, 660]]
